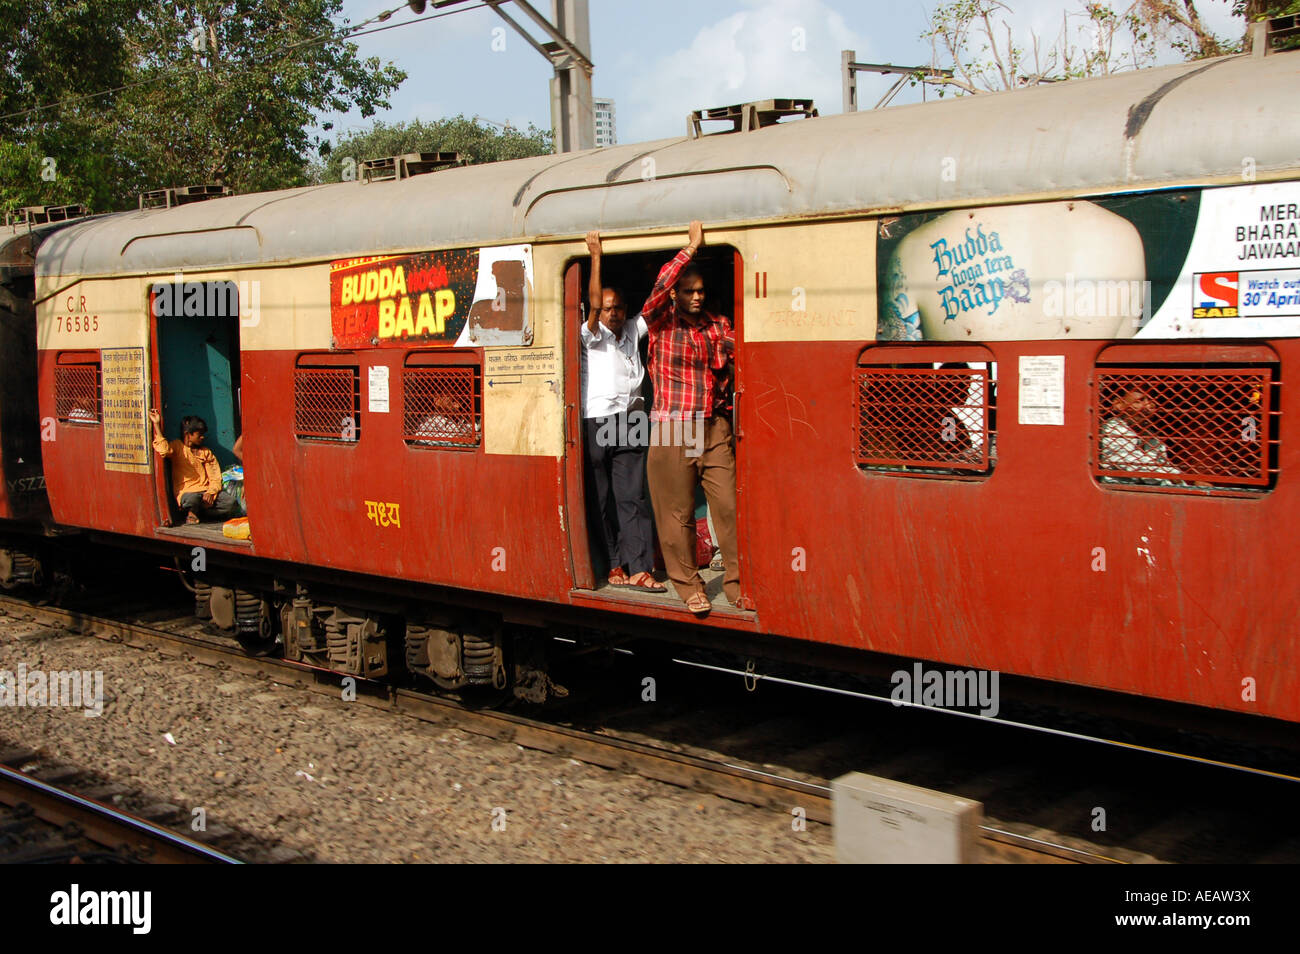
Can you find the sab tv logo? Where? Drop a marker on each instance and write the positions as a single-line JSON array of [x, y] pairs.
[[1215, 295]]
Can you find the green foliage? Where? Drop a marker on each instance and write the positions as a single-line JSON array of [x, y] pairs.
[[212, 91], [474, 142], [1254, 10], [45, 52], [61, 155]]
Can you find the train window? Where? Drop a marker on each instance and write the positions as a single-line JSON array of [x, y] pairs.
[[1185, 427], [931, 418], [442, 406], [327, 403], [78, 391]]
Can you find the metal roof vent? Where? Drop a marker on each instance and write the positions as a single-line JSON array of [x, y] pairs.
[[746, 116], [1264, 34], [409, 164], [41, 214], [181, 195]]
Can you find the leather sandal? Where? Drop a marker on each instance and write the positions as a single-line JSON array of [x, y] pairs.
[[617, 577], [699, 604], [646, 583]]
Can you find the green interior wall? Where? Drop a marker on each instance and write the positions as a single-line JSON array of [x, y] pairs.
[[199, 365]]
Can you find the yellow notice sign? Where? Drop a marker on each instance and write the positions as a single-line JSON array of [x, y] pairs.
[[126, 432]]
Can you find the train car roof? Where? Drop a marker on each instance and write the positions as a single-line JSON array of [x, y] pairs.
[[1203, 121], [19, 242]]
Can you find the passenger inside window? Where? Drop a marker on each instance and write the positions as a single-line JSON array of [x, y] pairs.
[[947, 408], [452, 422], [1126, 439], [1129, 442]]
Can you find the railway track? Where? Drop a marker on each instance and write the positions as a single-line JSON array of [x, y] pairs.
[[46, 823], [635, 749]]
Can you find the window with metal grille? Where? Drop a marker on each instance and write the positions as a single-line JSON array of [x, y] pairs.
[[77, 388], [327, 403], [442, 406], [1181, 426], [924, 419]]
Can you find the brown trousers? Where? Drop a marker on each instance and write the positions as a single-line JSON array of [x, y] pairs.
[[674, 471]]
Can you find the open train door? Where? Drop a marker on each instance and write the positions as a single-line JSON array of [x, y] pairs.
[[574, 451], [724, 268], [195, 371]]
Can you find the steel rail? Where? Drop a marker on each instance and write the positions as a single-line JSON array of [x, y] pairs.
[[757, 677], [726, 780], [103, 824]]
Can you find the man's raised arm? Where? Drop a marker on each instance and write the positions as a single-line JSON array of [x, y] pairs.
[[160, 445], [668, 274], [594, 286]]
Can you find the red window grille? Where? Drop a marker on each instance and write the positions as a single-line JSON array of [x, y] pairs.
[[327, 403], [933, 419], [442, 406], [1182, 426], [77, 393]]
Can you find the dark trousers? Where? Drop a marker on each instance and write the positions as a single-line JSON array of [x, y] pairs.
[[617, 479], [223, 508]]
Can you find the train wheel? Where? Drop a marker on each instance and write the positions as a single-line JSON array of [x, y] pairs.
[[256, 627]]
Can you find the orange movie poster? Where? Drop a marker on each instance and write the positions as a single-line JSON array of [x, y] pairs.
[[462, 297]]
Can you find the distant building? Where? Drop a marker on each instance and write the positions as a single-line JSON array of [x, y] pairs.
[[606, 133]]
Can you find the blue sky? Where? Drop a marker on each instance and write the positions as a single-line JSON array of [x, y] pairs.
[[660, 59]]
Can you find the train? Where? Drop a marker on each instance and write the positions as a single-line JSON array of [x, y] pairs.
[[1009, 392]]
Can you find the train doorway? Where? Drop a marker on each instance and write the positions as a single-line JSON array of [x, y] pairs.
[[196, 370], [634, 275]]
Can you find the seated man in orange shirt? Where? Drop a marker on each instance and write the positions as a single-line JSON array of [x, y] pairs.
[[196, 476]]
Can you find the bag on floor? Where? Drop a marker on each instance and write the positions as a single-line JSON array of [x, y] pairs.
[[703, 542], [232, 481]]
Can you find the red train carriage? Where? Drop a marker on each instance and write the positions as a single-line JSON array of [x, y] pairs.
[[1009, 385], [24, 505]]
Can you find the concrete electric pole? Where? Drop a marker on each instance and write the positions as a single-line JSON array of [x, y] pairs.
[[573, 117], [573, 120]]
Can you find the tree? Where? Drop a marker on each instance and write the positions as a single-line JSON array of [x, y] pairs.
[[59, 155], [1180, 25], [458, 134], [1253, 10], [1095, 39], [186, 91]]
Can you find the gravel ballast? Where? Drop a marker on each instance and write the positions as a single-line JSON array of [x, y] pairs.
[[298, 776]]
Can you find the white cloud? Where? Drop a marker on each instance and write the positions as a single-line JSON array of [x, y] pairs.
[[775, 49]]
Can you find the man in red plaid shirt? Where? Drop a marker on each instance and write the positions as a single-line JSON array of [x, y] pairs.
[[690, 366]]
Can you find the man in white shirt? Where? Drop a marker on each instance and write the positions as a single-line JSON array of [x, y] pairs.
[[1127, 441], [616, 431]]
